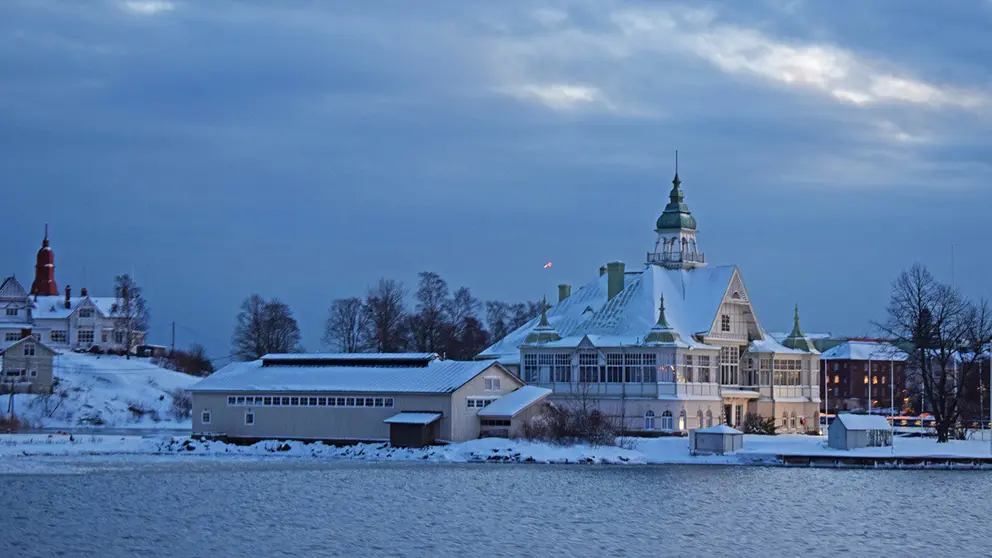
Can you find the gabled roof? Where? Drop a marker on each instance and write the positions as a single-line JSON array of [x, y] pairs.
[[515, 402], [53, 307], [864, 350], [28, 339], [863, 422], [11, 289], [439, 376]]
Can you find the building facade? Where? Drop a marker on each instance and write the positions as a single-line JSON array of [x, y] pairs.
[[26, 367], [349, 397], [669, 346], [60, 321], [861, 370]]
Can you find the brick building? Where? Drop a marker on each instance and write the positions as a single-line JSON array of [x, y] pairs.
[[858, 367]]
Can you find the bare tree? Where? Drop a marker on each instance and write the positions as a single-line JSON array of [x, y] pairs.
[[430, 327], [497, 318], [347, 325], [386, 316], [929, 317], [130, 313], [975, 342], [264, 328]]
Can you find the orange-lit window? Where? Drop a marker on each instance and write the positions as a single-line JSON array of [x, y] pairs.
[[836, 379], [866, 379], [874, 379]]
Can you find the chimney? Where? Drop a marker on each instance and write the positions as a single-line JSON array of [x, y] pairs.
[[614, 280], [602, 270], [564, 291], [83, 292], [68, 293]]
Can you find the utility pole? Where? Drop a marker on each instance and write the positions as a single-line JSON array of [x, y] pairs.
[[172, 349]]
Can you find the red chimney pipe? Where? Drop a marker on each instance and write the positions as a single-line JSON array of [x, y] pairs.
[[83, 292], [68, 292]]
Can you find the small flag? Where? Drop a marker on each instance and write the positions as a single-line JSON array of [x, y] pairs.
[[547, 265]]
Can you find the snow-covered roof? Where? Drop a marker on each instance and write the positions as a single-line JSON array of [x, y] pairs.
[[770, 345], [30, 340], [863, 422], [514, 402], [350, 359], [11, 289], [439, 376], [780, 336], [718, 429], [864, 350], [692, 301], [413, 418], [53, 307]]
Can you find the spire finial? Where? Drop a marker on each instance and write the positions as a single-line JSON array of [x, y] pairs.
[[796, 317], [544, 311], [661, 312], [46, 231], [676, 161]]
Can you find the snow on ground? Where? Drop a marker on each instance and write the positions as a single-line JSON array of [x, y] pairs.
[[104, 391], [757, 450]]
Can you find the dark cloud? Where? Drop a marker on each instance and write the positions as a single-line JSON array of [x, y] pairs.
[[303, 151]]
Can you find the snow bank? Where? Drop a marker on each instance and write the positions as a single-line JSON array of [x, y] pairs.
[[105, 391], [757, 450]]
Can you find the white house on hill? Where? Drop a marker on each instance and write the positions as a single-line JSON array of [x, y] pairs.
[[60, 321], [672, 345]]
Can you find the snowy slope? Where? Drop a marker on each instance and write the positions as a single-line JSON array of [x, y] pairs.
[[105, 391]]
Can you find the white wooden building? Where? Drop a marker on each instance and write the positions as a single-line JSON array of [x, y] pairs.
[[671, 345]]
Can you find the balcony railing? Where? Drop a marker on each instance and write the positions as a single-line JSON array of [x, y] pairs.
[[676, 257]]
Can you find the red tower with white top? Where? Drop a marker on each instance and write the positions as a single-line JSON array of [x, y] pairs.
[[44, 271]]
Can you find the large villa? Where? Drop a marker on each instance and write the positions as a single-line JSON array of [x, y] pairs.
[[669, 346]]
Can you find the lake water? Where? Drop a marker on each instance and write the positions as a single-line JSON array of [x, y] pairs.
[[281, 507]]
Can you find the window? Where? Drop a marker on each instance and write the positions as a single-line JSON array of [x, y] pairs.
[[703, 368], [530, 369], [331, 402], [725, 323], [285, 401], [785, 420], [249, 418], [632, 371], [11, 336], [58, 336], [492, 383], [369, 402], [836, 379], [85, 312], [304, 402], [738, 415], [588, 367], [792, 424], [883, 379], [103, 337], [267, 401], [34, 373], [562, 371], [874, 380], [729, 362], [322, 401], [866, 379], [699, 418], [11, 311], [649, 420], [231, 400], [29, 349], [709, 418], [667, 422], [787, 372], [687, 374], [682, 420], [360, 402], [276, 401], [342, 402], [313, 401], [470, 403], [378, 402], [84, 336], [614, 368], [389, 401], [118, 337], [835, 367], [205, 417]]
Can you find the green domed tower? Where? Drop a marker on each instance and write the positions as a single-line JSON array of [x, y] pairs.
[[675, 246]]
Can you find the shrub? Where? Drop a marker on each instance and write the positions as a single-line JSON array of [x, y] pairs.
[[182, 404], [566, 426], [10, 424], [756, 424]]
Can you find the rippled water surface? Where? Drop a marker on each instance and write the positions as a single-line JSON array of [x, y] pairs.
[[191, 507]]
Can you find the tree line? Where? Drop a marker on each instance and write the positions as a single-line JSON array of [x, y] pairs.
[[948, 338], [442, 321]]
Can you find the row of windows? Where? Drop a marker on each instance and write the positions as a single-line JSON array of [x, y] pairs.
[[874, 379], [280, 401], [493, 422], [11, 311], [84, 336], [478, 402], [249, 417], [15, 373]]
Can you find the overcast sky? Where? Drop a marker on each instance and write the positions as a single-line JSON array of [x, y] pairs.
[[302, 150]]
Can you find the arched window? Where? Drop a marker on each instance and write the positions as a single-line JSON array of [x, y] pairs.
[[699, 417], [793, 423], [666, 421], [709, 418], [649, 420], [682, 420], [685, 245], [785, 421]]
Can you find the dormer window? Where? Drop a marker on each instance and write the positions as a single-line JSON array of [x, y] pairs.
[[85, 312], [725, 323]]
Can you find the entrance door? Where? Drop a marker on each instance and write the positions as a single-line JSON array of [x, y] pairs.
[[728, 411]]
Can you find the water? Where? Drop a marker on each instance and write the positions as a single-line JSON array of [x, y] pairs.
[[280, 507]]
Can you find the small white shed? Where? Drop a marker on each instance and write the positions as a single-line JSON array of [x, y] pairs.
[[849, 432], [716, 439]]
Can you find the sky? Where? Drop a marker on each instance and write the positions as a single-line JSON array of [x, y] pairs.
[[304, 149]]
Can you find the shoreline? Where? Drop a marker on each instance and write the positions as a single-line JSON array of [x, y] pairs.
[[775, 451]]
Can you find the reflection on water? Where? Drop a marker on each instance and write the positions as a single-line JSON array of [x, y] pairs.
[[198, 507]]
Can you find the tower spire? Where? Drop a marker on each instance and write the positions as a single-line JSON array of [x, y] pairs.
[[797, 339], [44, 270], [662, 332], [544, 332]]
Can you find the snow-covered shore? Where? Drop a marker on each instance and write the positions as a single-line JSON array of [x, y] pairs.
[[757, 450], [105, 391]]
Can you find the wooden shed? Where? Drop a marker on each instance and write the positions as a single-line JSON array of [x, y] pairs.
[[413, 430], [849, 432], [718, 439]]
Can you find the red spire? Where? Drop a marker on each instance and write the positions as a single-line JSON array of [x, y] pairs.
[[44, 271]]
